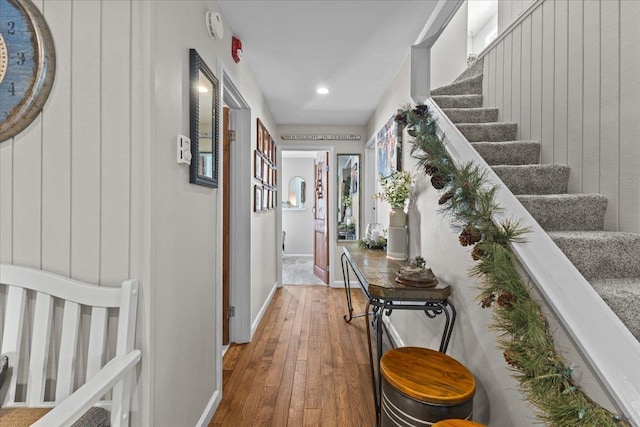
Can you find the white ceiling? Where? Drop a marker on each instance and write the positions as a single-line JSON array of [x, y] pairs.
[[353, 47]]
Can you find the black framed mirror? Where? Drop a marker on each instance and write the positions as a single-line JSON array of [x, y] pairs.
[[348, 201], [203, 122]]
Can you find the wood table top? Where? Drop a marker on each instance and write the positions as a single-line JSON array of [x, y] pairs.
[[378, 273], [427, 375]]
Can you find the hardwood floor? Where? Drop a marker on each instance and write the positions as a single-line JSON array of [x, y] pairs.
[[305, 366]]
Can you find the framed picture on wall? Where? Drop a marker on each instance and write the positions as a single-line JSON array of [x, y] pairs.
[[265, 171], [265, 195], [257, 165], [257, 198], [260, 136], [388, 155]]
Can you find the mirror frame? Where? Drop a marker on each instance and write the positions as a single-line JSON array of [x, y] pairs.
[[358, 226], [197, 65], [301, 192]]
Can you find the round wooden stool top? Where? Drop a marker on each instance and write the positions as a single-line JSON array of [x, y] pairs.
[[457, 423], [427, 375]]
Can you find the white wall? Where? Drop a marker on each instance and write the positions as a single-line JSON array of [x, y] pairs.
[[508, 12], [478, 41], [449, 53], [567, 75], [430, 235], [298, 224]]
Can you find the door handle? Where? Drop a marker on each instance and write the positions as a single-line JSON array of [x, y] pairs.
[[313, 210]]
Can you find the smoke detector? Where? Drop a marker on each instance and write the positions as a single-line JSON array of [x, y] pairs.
[[214, 25]]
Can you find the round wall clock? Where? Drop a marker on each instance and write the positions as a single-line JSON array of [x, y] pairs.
[[27, 65]]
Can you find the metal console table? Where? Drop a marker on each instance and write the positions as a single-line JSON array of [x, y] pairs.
[[376, 276]]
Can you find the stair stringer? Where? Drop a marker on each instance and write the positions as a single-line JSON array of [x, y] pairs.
[[602, 340]]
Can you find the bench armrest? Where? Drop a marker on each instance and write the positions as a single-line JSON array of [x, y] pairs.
[[72, 408]]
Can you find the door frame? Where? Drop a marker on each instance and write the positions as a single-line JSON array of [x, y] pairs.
[[240, 221], [288, 146]]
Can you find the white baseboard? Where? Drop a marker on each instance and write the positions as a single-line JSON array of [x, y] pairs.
[[297, 255], [355, 286], [263, 309], [393, 332], [207, 415]]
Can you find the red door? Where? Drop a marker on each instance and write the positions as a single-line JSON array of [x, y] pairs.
[[321, 219]]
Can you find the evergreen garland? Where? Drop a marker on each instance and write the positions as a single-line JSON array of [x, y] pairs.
[[524, 336]]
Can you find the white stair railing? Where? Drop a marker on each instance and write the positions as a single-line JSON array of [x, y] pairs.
[[606, 344]]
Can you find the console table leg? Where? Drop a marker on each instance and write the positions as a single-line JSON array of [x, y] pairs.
[[347, 287]]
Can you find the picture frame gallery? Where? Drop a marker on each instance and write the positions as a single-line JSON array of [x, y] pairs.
[[265, 171]]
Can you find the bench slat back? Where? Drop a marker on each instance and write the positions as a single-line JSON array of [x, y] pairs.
[[33, 329]]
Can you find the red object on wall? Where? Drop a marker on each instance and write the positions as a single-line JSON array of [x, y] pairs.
[[236, 49]]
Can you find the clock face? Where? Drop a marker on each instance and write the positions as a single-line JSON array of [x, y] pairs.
[[27, 65]]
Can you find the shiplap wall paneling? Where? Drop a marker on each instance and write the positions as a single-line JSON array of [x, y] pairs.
[[56, 149], [524, 124], [499, 89], [560, 82], [516, 77], [490, 75], [591, 99], [508, 11], [575, 53], [548, 90], [609, 108], [27, 192], [507, 69], [536, 77], [86, 76], [6, 207], [115, 142], [629, 117]]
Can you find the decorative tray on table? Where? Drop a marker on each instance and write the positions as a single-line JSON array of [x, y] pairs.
[[418, 277]]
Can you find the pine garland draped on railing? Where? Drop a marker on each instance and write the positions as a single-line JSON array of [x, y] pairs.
[[524, 335]]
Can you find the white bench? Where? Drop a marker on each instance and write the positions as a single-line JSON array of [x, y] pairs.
[[30, 300]]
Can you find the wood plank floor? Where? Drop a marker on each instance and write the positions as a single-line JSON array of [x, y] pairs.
[[305, 366]]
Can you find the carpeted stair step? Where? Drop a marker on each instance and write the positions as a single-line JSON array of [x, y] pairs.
[[474, 69], [458, 101], [472, 115], [623, 297], [509, 152], [534, 179], [468, 86], [558, 212], [492, 132], [601, 254]]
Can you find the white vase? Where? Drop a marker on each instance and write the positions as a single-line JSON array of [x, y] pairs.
[[397, 217]]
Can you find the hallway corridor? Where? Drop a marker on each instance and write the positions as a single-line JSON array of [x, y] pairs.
[[304, 367]]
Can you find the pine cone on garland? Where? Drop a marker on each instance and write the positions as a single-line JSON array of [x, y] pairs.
[[401, 118], [477, 253], [438, 181], [507, 299], [486, 302], [508, 357], [470, 236], [430, 169], [421, 110], [445, 197]]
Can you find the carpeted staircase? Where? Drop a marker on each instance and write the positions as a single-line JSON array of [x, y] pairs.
[[607, 259]]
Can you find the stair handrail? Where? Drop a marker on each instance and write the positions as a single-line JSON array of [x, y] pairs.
[[579, 308]]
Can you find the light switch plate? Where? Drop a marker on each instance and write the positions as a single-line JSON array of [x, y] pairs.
[[183, 152]]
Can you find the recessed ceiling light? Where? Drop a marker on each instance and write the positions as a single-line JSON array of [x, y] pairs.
[[322, 90]]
